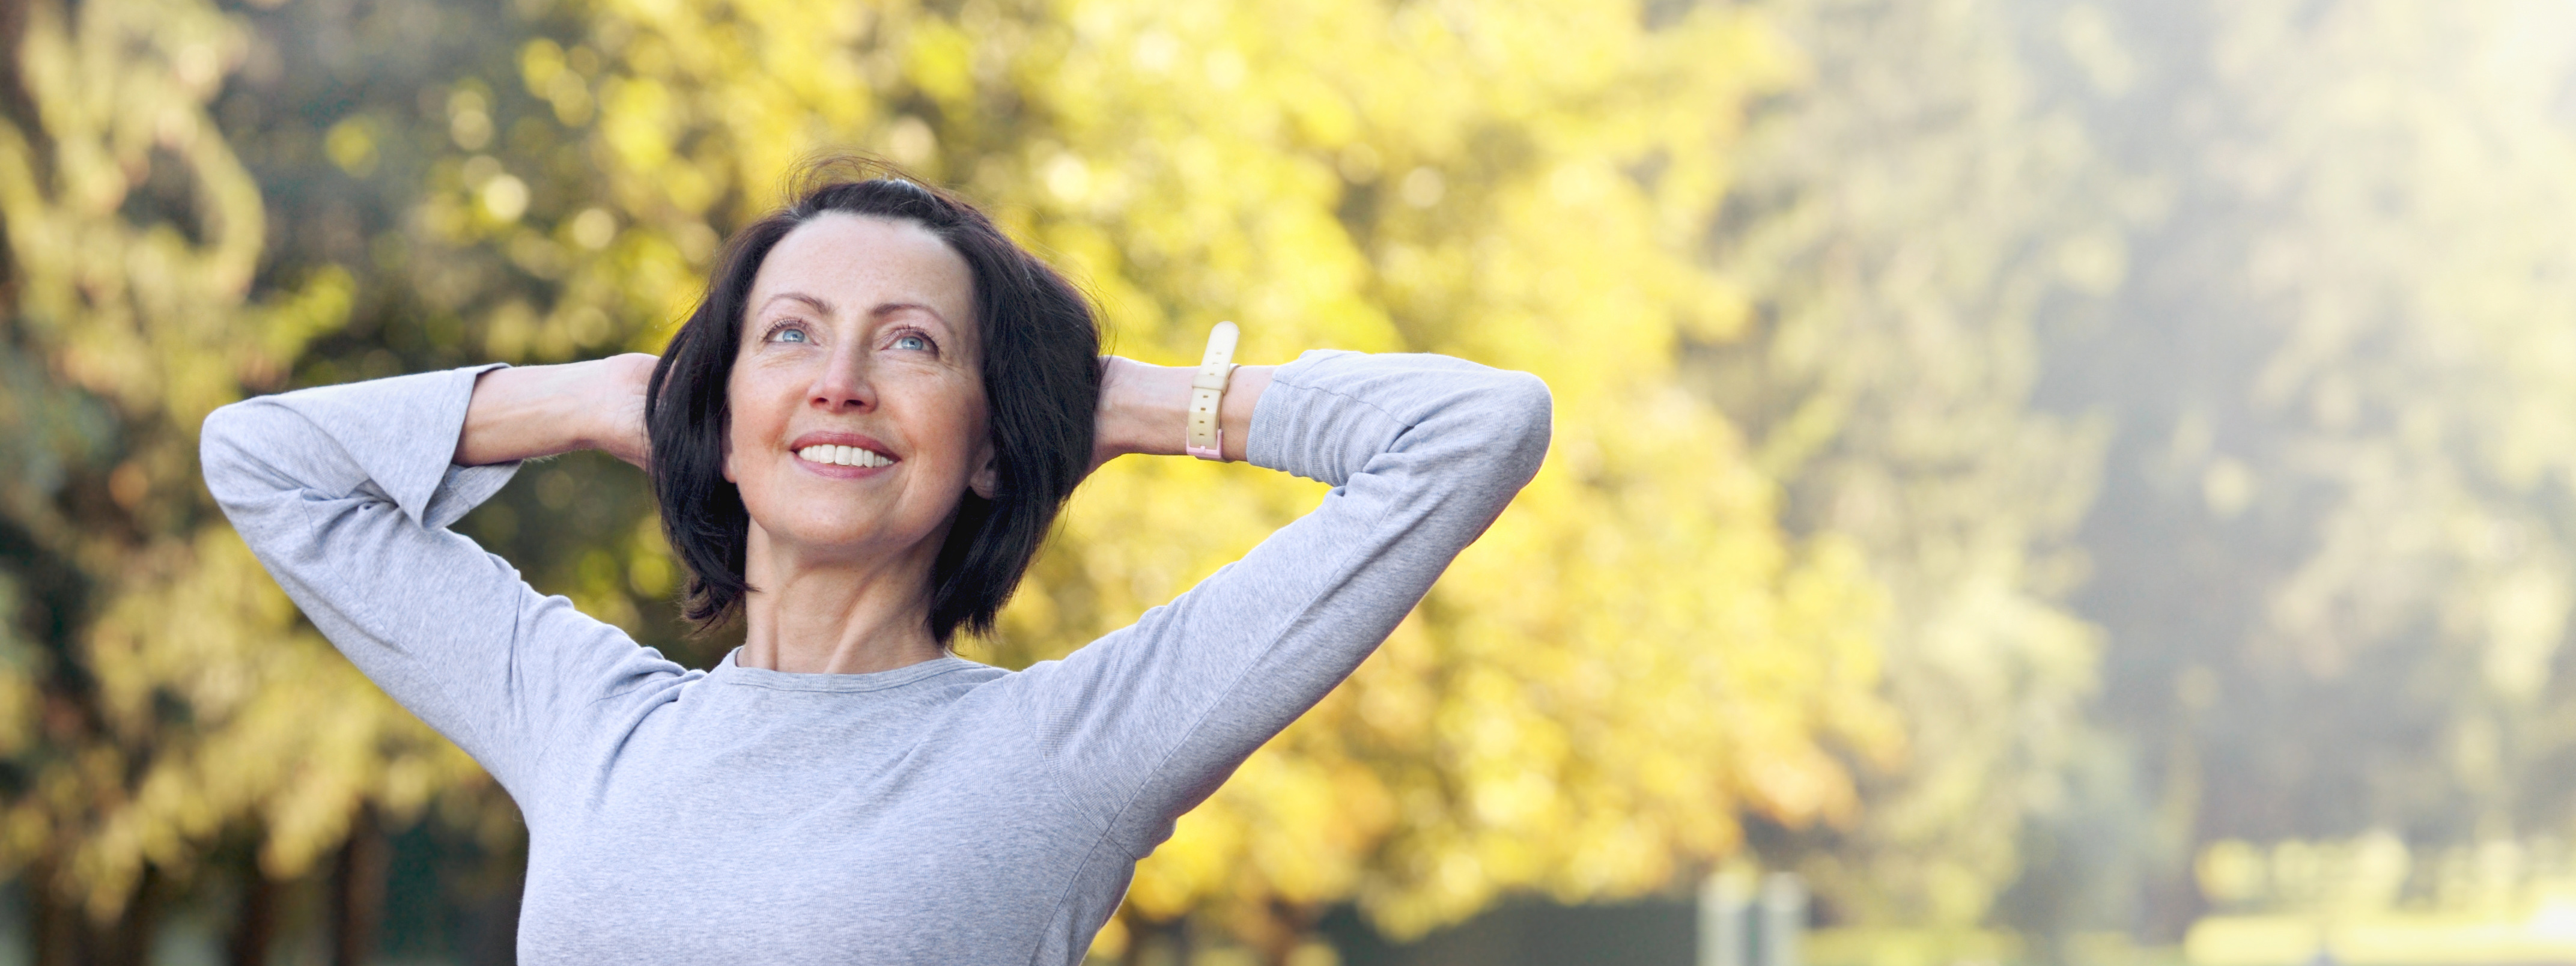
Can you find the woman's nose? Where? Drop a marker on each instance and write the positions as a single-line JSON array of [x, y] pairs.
[[843, 384]]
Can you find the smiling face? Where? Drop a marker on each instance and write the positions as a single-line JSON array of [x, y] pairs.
[[857, 400]]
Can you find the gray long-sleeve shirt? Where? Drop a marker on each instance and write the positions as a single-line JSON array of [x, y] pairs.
[[946, 812]]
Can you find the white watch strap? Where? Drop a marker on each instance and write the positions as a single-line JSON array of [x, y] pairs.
[[1206, 437]]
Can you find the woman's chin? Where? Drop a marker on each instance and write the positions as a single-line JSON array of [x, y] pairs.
[[833, 538]]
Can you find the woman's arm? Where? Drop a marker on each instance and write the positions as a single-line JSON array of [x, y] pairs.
[[345, 494], [522, 414], [1422, 453], [1145, 409]]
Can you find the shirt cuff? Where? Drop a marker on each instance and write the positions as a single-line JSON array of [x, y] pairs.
[[402, 433], [1307, 424]]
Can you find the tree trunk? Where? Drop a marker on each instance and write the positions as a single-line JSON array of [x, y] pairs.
[[255, 920], [358, 891], [1287, 930], [1157, 943], [65, 935]]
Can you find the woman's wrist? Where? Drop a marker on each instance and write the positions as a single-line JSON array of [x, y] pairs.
[[535, 411], [1144, 409], [1134, 399]]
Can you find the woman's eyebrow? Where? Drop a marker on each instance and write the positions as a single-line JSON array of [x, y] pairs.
[[817, 303], [890, 308]]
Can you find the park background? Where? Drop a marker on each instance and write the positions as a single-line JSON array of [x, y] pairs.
[[2072, 481]]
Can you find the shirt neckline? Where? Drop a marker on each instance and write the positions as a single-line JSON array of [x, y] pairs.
[[728, 671]]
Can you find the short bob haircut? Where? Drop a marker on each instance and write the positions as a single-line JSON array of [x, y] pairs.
[[1041, 373]]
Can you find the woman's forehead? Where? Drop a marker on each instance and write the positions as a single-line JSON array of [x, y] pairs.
[[854, 263]]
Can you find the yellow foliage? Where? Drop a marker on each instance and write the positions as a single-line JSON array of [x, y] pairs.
[[198, 702]]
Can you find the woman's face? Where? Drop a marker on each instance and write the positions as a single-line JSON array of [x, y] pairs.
[[857, 400]]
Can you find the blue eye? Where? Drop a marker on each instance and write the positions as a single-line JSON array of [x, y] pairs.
[[911, 342], [787, 334]]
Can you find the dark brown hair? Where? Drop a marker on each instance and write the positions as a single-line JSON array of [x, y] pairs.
[[1041, 385]]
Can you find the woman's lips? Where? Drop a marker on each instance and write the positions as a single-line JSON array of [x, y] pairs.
[[842, 455]]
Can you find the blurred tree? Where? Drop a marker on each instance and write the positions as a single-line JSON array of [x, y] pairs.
[[1909, 223], [2337, 555], [158, 695]]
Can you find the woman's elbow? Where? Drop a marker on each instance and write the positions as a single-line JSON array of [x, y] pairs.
[[219, 438], [1525, 420], [227, 453]]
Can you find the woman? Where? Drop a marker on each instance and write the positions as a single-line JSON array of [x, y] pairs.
[[859, 439]]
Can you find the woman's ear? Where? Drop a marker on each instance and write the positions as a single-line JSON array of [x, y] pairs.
[[988, 473], [727, 462]]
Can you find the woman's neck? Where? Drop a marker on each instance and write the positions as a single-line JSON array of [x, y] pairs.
[[836, 616]]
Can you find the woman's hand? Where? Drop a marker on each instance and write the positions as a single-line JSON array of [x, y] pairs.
[[622, 433], [1146, 409], [533, 411]]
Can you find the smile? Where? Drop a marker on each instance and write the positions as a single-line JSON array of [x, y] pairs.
[[844, 456]]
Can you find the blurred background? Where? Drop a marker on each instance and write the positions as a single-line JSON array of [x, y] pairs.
[[2035, 481]]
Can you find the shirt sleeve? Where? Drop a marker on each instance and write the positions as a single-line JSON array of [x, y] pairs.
[[1422, 452], [345, 494]]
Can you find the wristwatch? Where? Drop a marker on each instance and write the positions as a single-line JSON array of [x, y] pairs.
[[1206, 436]]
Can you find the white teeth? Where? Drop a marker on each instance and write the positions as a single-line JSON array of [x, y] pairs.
[[843, 456]]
